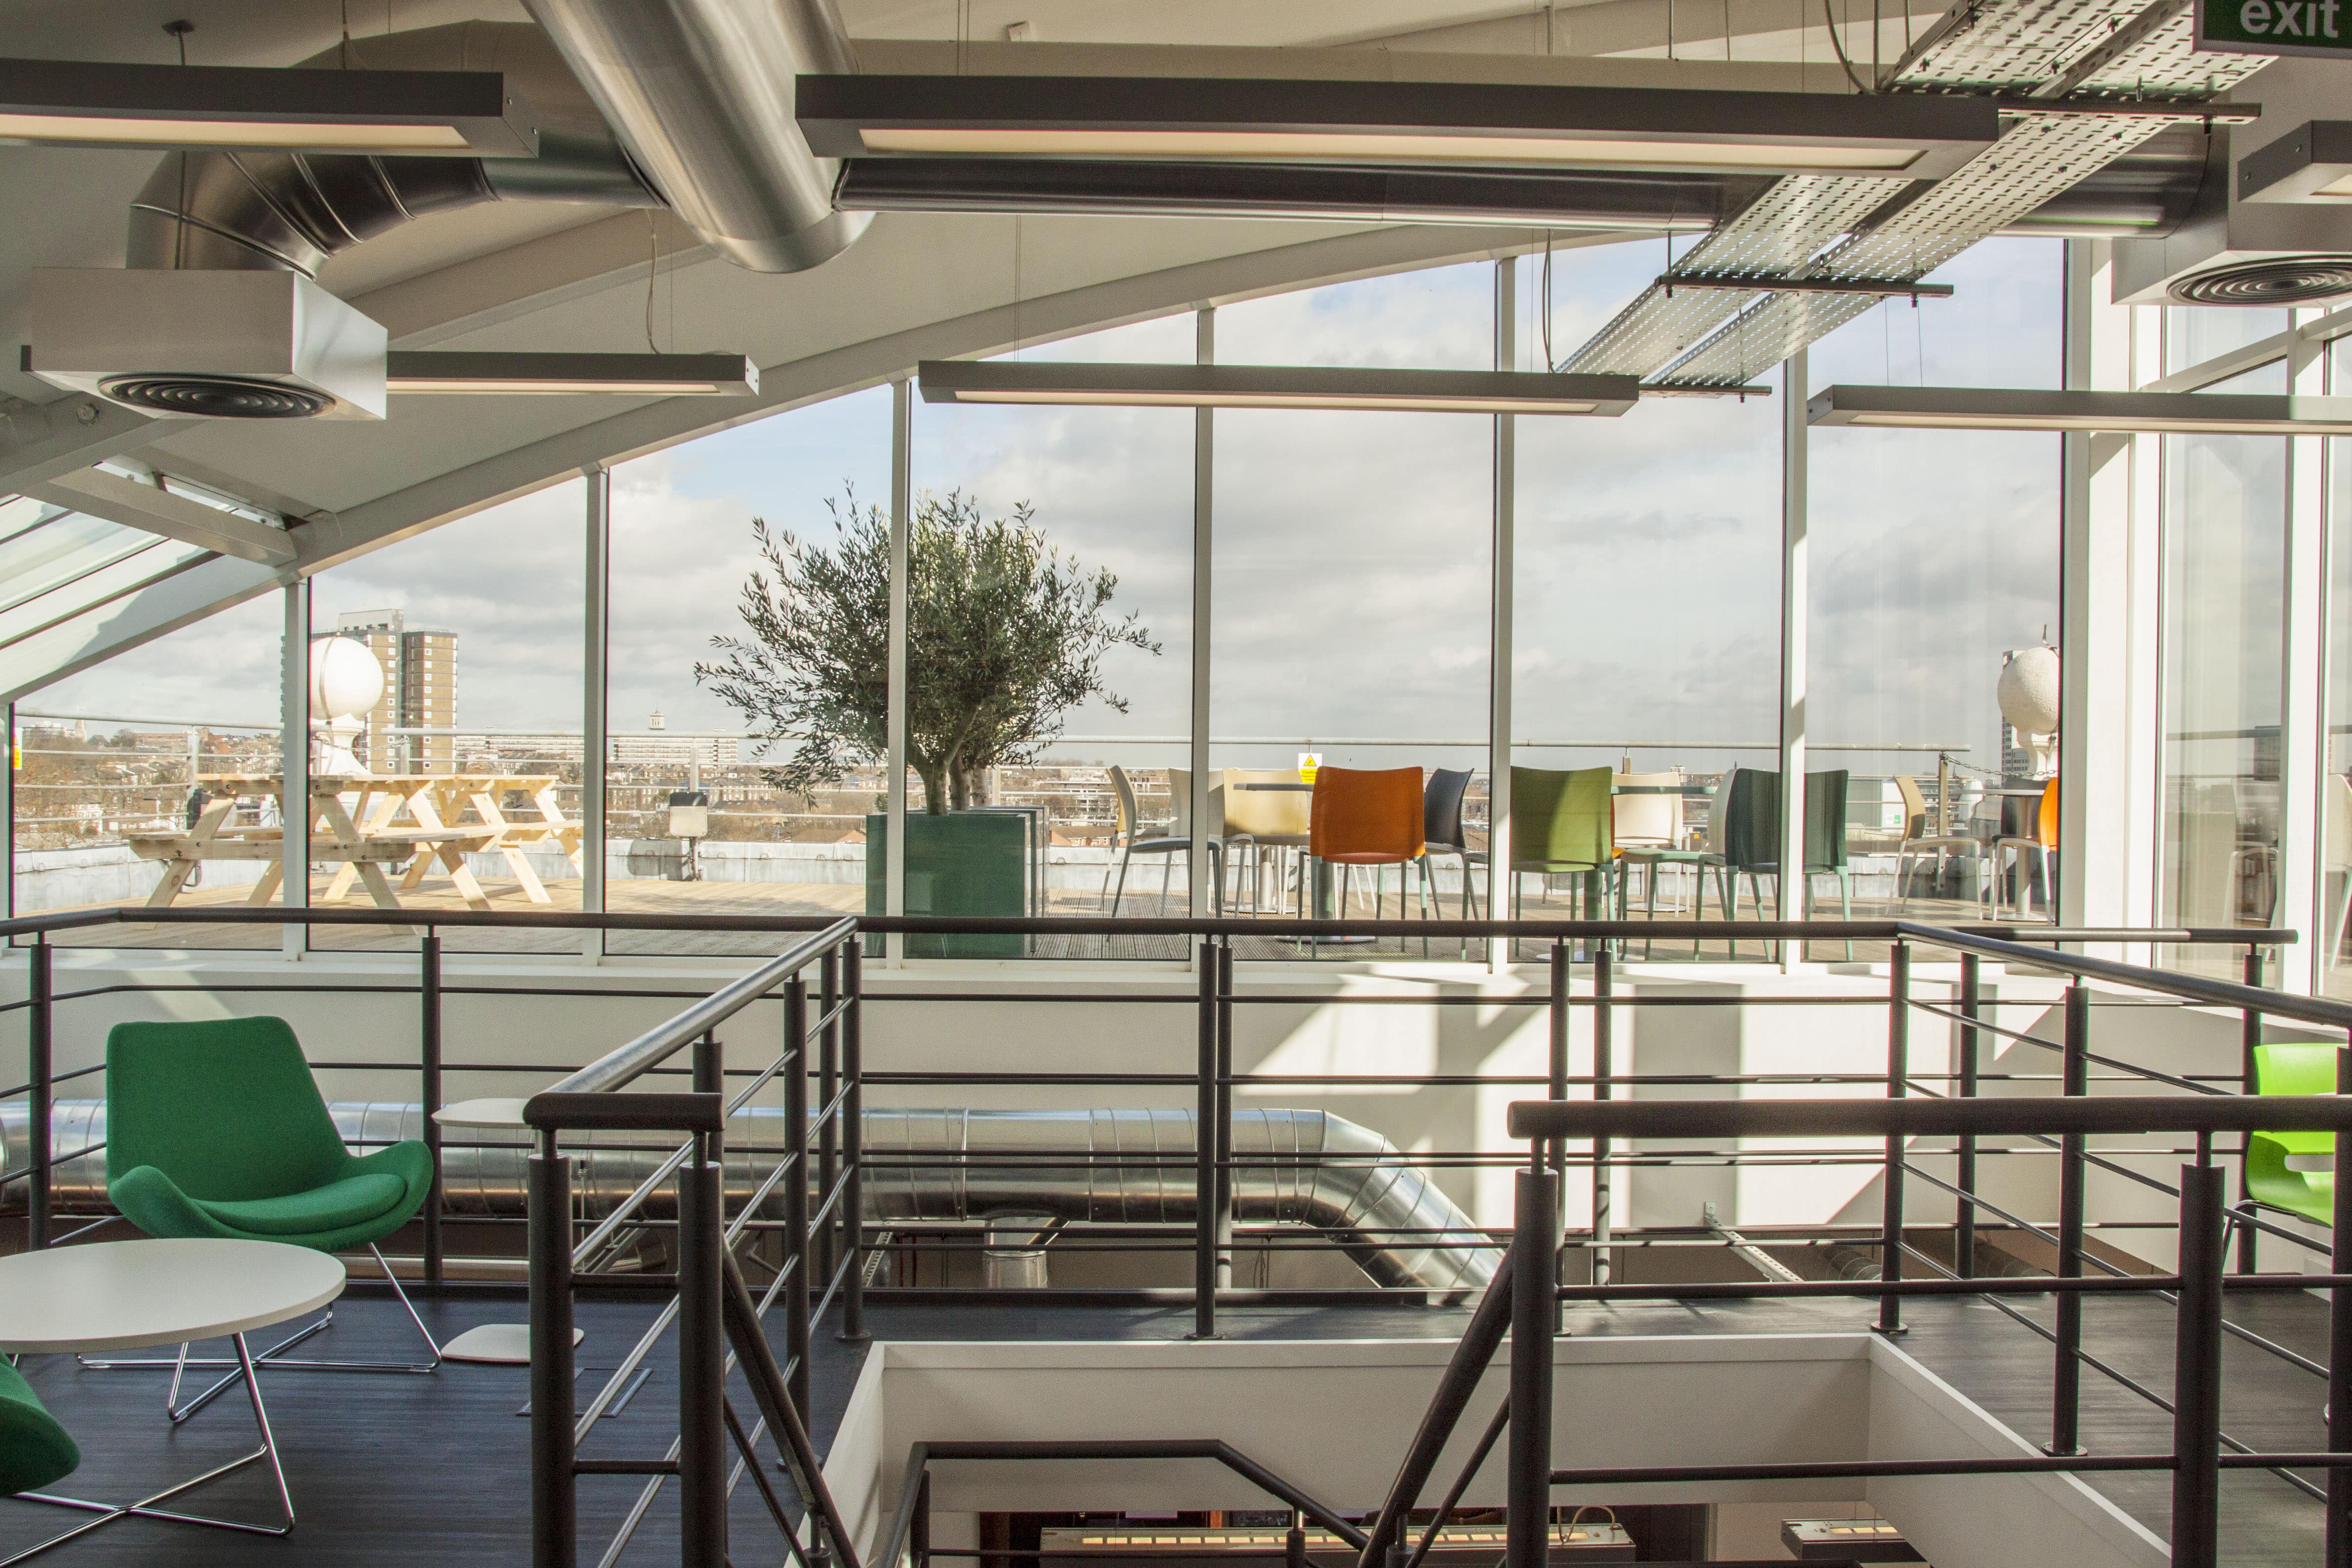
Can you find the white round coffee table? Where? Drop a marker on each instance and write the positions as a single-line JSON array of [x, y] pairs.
[[127, 1295]]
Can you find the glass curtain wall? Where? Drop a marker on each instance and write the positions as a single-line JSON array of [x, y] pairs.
[[719, 798], [2224, 666], [123, 769], [1646, 611], [2335, 781], [1352, 585], [1050, 660], [449, 678], [1932, 692]]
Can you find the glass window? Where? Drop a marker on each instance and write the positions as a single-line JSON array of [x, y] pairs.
[[453, 670], [118, 768], [1646, 611], [1353, 578], [1935, 603], [1064, 798], [685, 550], [2335, 781], [2223, 671]]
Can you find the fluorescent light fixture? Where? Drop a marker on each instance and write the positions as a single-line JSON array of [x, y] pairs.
[[524, 374], [1769, 283], [2312, 162], [1416, 124], [90, 103], [1274, 386], [2003, 408]]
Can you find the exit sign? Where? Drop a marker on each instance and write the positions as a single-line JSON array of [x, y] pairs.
[[2275, 26]]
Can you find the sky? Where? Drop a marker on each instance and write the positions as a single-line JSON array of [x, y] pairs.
[[1352, 578]]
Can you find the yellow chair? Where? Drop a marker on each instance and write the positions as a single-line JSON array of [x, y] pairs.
[[1271, 819]]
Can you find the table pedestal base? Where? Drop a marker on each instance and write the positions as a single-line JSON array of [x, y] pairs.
[[145, 1508]]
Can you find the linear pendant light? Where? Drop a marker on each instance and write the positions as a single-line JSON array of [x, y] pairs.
[[519, 375], [89, 103], [1275, 387], [2002, 409], [1423, 124]]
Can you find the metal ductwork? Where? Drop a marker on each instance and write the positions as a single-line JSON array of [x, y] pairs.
[[1014, 1167], [702, 92], [221, 211]]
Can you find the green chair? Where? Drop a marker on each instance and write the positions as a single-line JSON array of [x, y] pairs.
[[2300, 1069], [34, 1449], [1752, 838], [217, 1129], [1564, 823]]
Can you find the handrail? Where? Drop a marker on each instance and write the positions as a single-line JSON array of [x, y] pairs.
[[623, 1065], [1541, 1120], [2191, 987]]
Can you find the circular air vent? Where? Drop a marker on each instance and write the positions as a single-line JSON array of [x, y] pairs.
[[2293, 280], [216, 396]]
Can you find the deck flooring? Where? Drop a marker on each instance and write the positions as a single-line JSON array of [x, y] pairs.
[[432, 1470]]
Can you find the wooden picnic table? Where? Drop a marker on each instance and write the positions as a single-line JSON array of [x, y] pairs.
[[369, 826]]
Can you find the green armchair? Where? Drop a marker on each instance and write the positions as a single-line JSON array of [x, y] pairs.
[[34, 1448], [217, 1130]]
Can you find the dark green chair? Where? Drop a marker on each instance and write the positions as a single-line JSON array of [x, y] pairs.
[[217, 1130], [34, 1449], [1752, 838], [2293, 1069]]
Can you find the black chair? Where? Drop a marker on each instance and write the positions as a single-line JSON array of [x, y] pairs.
[[1441, 833]]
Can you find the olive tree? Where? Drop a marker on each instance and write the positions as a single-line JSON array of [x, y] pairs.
[[1005, 635]]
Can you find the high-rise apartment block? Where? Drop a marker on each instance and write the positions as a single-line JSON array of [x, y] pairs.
[[420, 692]]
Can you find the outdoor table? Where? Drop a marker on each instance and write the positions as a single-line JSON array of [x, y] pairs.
[[127, 1295]]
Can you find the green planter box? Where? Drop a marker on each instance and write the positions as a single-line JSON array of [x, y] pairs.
[[965, 863]]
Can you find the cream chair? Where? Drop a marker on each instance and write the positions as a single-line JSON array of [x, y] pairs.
[[1271, 819], [1918, 840]]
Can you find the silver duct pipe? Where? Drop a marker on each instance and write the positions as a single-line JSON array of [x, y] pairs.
[[293, 210], [1019, 1168], [702, 92]]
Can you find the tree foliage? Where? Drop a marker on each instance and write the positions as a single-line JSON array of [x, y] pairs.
[[1005, 636]]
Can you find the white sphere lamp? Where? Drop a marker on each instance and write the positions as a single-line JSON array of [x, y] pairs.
[[346, 680], [2028, 695]]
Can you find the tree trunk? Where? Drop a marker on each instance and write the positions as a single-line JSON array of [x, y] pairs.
[[935, 789]]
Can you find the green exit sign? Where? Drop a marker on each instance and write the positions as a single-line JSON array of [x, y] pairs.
[[2275, 26]]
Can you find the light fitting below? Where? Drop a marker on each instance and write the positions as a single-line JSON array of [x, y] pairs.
[[540, 375], [1275, 387], [2005, 409]]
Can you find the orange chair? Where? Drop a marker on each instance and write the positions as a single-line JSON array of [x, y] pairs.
[[2041, 843], [1368, 817]]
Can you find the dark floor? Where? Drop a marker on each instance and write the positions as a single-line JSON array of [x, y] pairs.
[[393, 1469]]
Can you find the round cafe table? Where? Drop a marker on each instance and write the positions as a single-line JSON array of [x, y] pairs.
[[129, 1295]]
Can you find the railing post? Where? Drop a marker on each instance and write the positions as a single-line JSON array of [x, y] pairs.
[[796, 1192], [2066, 1381], [701, 1356], [828, 1127], [1224, 1120], [554, 1514], [918, 1535], [40, 1065], [1963, 1175], [1204, 1150], [1534, 1298], [2197, 1373], [2340, 1342], [853, 1139], [428, 1053], [2249, 1035], [1604, 1190], [1898, 1085]]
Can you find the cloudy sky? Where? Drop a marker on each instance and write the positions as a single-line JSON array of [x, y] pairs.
[[1352, 574]]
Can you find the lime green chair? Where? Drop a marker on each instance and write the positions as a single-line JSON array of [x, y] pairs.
[[2298, 1068], [217, 1130], [1564, 823]]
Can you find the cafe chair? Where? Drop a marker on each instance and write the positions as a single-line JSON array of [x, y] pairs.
[[2040, 842], [2293, 1069], [217, 1129], [1564, 824], [1271, 819], [1129, 838], [1654, 843], [1752, 838], [1918, 839], [1370, 817], [1441, 834]]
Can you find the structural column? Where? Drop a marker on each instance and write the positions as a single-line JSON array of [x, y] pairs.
[[595, 716], [1795, 610], [2303, 753], [1203, 868], [1498, 652], [294, 761], [902, 501], [8, 812]]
